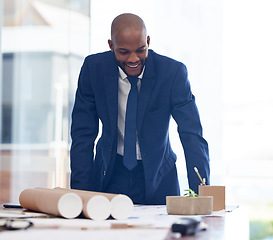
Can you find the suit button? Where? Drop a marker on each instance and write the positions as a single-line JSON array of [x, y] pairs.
[[104, 173]]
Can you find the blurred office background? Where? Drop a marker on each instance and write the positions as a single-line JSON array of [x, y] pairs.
[[226, 45]]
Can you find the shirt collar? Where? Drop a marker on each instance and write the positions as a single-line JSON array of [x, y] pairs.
[[123, 75]]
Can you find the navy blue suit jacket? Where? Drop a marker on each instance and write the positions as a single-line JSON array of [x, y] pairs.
[[165, 92]]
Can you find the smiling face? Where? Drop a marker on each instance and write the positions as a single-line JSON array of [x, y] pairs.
[[130, 46]]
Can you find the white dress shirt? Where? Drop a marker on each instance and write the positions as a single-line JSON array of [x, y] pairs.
[[124, 87]]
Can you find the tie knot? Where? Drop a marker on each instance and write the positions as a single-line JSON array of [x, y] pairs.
[[133, 80]]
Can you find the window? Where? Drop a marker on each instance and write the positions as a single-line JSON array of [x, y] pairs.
[[44, 43]]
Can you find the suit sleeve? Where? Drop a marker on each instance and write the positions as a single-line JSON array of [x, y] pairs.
[[186, 115], [84, 130]]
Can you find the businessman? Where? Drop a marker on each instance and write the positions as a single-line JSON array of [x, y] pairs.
[[133, 92]]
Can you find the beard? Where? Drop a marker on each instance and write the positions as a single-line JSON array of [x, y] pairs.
[[122, 65]]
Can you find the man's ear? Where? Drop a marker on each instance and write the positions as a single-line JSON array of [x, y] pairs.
[[110, 43], [148, 41]]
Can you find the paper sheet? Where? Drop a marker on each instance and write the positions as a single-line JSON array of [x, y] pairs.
[[147, 222]]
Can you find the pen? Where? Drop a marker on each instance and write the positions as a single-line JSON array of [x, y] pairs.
[[201, 180]]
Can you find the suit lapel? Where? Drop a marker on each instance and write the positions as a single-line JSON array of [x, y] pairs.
[[147, 84]]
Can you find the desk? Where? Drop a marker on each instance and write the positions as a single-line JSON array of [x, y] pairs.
[[147, 222]]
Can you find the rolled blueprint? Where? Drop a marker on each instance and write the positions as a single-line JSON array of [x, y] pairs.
[[121, 205], [67, 205]]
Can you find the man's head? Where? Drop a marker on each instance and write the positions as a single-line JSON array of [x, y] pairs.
[[129, 42]]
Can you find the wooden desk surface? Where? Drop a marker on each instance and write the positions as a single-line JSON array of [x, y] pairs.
[[151, 223], [234, 225]]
